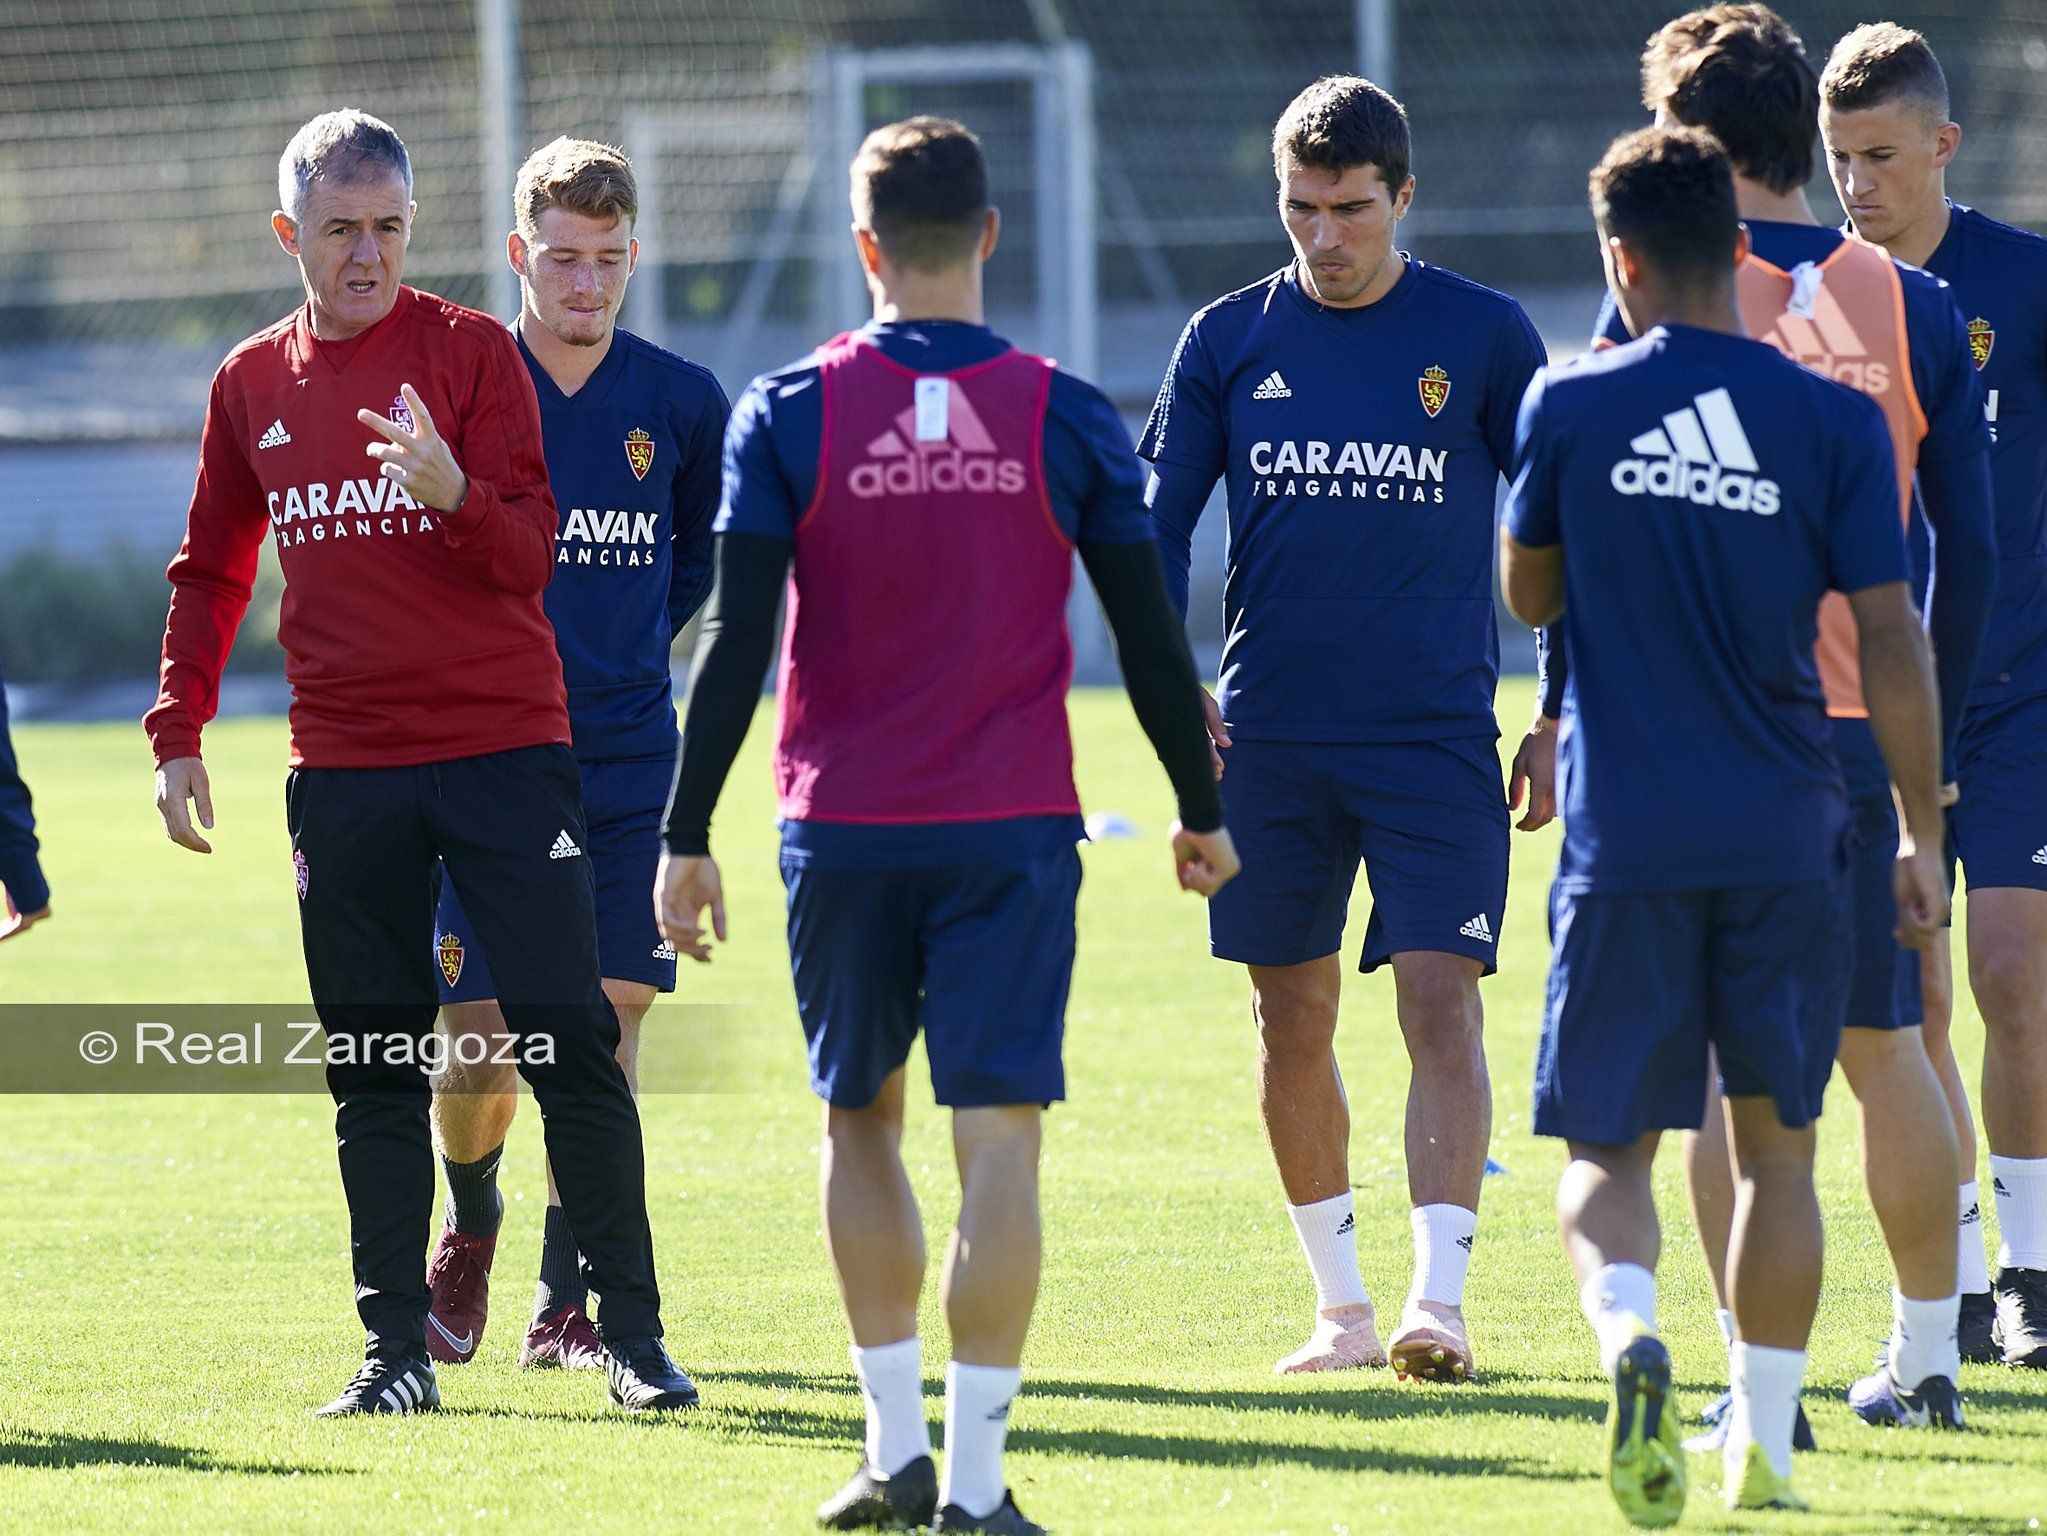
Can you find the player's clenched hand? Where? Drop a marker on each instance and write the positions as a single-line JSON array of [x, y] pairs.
[[177, 781], [13, 920], [1535, 772], [1203, 861], [419, 460], [683, 888], [1920, 884], [1218, 733]]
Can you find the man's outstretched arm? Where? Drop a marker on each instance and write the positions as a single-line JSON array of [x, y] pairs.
[[733, 648], [1158, 671]]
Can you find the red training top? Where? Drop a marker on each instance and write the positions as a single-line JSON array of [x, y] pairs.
[[925, 662], [411, 636]]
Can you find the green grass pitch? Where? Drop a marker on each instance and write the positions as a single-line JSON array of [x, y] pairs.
[[174, 1271]]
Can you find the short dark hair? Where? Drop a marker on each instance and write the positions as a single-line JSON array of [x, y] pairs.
[[1340, 123], [1881, 62], [1669, 192], [921, 186], [1740, 73]]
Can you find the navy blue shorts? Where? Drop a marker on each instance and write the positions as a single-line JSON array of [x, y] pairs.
[[977, 956], [623, 800], [1428, 818], [1883, 986], [1641, 984], [2000, 823]]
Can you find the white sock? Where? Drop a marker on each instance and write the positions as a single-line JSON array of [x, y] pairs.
[[1972, 1271], [977, 1399], [1328, 1233], [2020, 1187], [1442, 1252], [1923, 1340], [1615, 1298], [1725, 1319], [892, 1386], [1766, 1385]]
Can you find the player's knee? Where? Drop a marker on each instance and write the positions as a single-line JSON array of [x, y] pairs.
[[869, 1124], [1294, 1019], [1866, 1054], [2010, 984], [1440, 1014], [1009, 1135]]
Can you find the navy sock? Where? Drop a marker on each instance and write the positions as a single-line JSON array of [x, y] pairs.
[[561, 1267], [474, 1204]]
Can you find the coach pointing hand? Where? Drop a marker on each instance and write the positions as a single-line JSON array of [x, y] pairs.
[[418, 459]]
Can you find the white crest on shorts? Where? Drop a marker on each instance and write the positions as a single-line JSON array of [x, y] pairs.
[[298, 869]]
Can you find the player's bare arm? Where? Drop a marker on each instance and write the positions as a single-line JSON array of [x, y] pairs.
[[1532, 580], [1897, 681]]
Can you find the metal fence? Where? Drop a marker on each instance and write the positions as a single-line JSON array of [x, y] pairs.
[[1129, 142]]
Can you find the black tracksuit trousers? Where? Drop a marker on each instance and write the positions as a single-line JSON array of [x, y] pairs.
[[365, 842]]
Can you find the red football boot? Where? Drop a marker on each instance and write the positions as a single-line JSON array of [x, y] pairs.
[[458, 1274], [562, 1338]]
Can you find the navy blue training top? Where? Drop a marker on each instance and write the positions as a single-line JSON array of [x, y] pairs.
[[1998, 275], [1096, 485], [1361, 450], [1695, 751], [1950, 485], [633, 459]]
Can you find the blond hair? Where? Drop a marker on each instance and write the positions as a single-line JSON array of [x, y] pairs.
[[580, 175]]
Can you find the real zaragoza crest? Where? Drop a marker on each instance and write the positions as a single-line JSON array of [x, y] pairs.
[[450, 951], [639, 452], [1435, 388], [1981, 339]]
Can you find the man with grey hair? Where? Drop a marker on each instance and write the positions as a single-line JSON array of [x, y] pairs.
[[389, 441]]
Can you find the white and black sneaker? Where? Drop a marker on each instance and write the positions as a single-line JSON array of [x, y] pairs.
[[395, 1381], [643, 1379]]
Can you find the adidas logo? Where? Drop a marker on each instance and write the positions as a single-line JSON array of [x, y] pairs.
[[1973, 1216], [1273, 388], [274, 436], [960, 456], [2040, 857], [1997, 1186], [1478, 928], [1700, 454], [1464, 1243], [1348, 1225], [564, 847]]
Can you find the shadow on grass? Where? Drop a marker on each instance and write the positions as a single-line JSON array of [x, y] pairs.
[[1371, 1398], [802, 1426], [34, 1448], [1996, 1397]]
